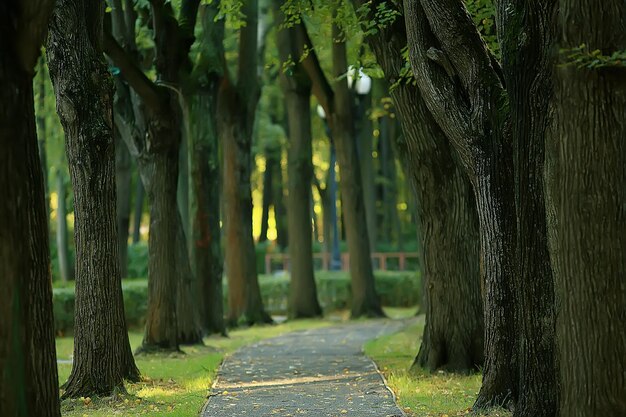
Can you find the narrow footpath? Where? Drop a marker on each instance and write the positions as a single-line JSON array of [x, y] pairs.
[[320, 372]]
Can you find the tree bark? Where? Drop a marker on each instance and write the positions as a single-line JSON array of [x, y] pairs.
[[28, 381], [236, 113], [469, 104], [453, 335], [528, 69], [296, 88], [364, 139], [206, 252], [123, 180], [278, 199], [586, 200], [365, 301], [84, 103]]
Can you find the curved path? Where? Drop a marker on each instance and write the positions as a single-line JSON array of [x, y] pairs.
[[320, 372]]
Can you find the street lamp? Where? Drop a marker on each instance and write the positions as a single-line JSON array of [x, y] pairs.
[[335, 257]]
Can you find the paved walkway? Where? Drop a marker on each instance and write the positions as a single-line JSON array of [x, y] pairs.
[[320, 372]]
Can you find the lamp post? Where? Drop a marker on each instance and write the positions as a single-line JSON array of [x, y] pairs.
[[335, 258]]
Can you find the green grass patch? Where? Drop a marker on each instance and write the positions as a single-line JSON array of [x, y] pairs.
[[423, 393], [174, 385]]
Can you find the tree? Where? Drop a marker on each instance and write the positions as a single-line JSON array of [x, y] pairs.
[[585, 177], [204, 198], [453, 335], [123, 181], [170, 320], [28, 382], [497, 129], [296, 87], [85, 103], [338, 103], [236, 111]]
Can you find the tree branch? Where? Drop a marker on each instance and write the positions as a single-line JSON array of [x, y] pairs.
[[441, 94], [145, 88], [321, 88]]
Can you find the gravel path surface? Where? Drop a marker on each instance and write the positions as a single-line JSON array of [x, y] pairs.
[[320, 372]]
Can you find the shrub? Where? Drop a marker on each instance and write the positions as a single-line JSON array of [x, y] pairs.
[[396, 289]]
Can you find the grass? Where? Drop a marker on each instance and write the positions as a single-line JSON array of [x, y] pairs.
[[422, 393], [173, 385]]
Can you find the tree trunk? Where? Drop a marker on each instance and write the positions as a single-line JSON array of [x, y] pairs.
[[28, 381], [205, 208], [162, 321], [453, 334], [244, 295], [528, 73], [138, 210], [586, 200], [42, 133], [63, 253], [474, 116], [278, 199], [182, 196], [390, 184], [84, 103], [365, 301], [187, 310], [267, 194], [366, 162], [302, 291], [123, 179]]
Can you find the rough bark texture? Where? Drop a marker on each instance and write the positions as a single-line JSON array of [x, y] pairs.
[[28, 381], [204, 199], [84, 104], [158, 158], [302, 290], [296, 88], [586, 199], [205, 206], [365, 301], [462, 89], [236, 112], [123, 179], [453, 335], [41, 130], [527, 71]]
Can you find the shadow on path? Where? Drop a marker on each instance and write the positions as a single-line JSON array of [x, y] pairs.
[[321, 372]]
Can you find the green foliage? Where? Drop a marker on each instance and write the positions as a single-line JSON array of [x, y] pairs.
[[583, 57], [484, 15], [396, 289]]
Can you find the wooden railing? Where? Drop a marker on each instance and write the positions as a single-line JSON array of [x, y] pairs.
[[380, 260]]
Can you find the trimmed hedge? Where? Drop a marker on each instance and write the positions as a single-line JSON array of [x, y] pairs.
[[396, 289]]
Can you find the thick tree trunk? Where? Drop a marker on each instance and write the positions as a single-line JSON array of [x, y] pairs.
[[528, 73], [162, 321], [475, 118], [365, 301], [84, 103], [453, 335], [205, 209], [123, 179], [63, 252], [390, 185], [244, 295], [302, 291], [187, 310], [586, 200], [28, 381], [182, 190]]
